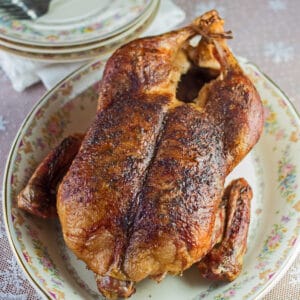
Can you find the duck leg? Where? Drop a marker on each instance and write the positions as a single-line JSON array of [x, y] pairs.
[[224, 261]]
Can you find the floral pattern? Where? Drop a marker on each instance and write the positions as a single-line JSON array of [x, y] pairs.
[[271, 125], [43, 257], [56, 116], [272, 242], [287, 176]]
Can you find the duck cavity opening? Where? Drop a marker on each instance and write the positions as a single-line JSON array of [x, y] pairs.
[[192, 82], [193, 77]]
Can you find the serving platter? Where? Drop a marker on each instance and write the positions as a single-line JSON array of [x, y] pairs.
[[272, 169]]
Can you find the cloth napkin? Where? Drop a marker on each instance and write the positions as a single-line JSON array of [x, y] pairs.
[[24, 72]]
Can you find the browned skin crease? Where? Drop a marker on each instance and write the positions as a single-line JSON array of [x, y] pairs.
[[224, 261], [143, 196], [39, 195]]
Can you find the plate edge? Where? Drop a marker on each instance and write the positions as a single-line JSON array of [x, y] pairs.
[[289, 261]]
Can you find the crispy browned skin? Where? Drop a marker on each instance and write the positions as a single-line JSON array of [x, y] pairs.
[[225, 260], [199, 147], [178, 203], [143, 196], [98, 196], [39, 195]]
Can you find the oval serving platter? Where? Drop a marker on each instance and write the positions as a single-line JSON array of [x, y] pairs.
[[272, 169]]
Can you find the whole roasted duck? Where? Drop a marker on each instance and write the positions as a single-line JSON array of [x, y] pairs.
[[144, 196]]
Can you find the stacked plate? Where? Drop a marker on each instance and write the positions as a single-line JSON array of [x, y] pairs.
[[76, 30]]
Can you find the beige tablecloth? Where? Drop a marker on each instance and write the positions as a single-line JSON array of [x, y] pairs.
[[267, 33]]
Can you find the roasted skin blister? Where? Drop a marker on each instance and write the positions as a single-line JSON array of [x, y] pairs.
[[143, 196]]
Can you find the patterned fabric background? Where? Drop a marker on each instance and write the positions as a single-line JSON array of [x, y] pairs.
[[266, 32]]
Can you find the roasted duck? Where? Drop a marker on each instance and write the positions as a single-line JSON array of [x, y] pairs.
[[144, 196]]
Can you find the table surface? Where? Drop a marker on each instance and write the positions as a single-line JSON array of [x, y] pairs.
[[267, 33]]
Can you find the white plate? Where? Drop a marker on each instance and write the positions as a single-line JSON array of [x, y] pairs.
[[91, 52], [73, 22], [137, 26], [272, 169]]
